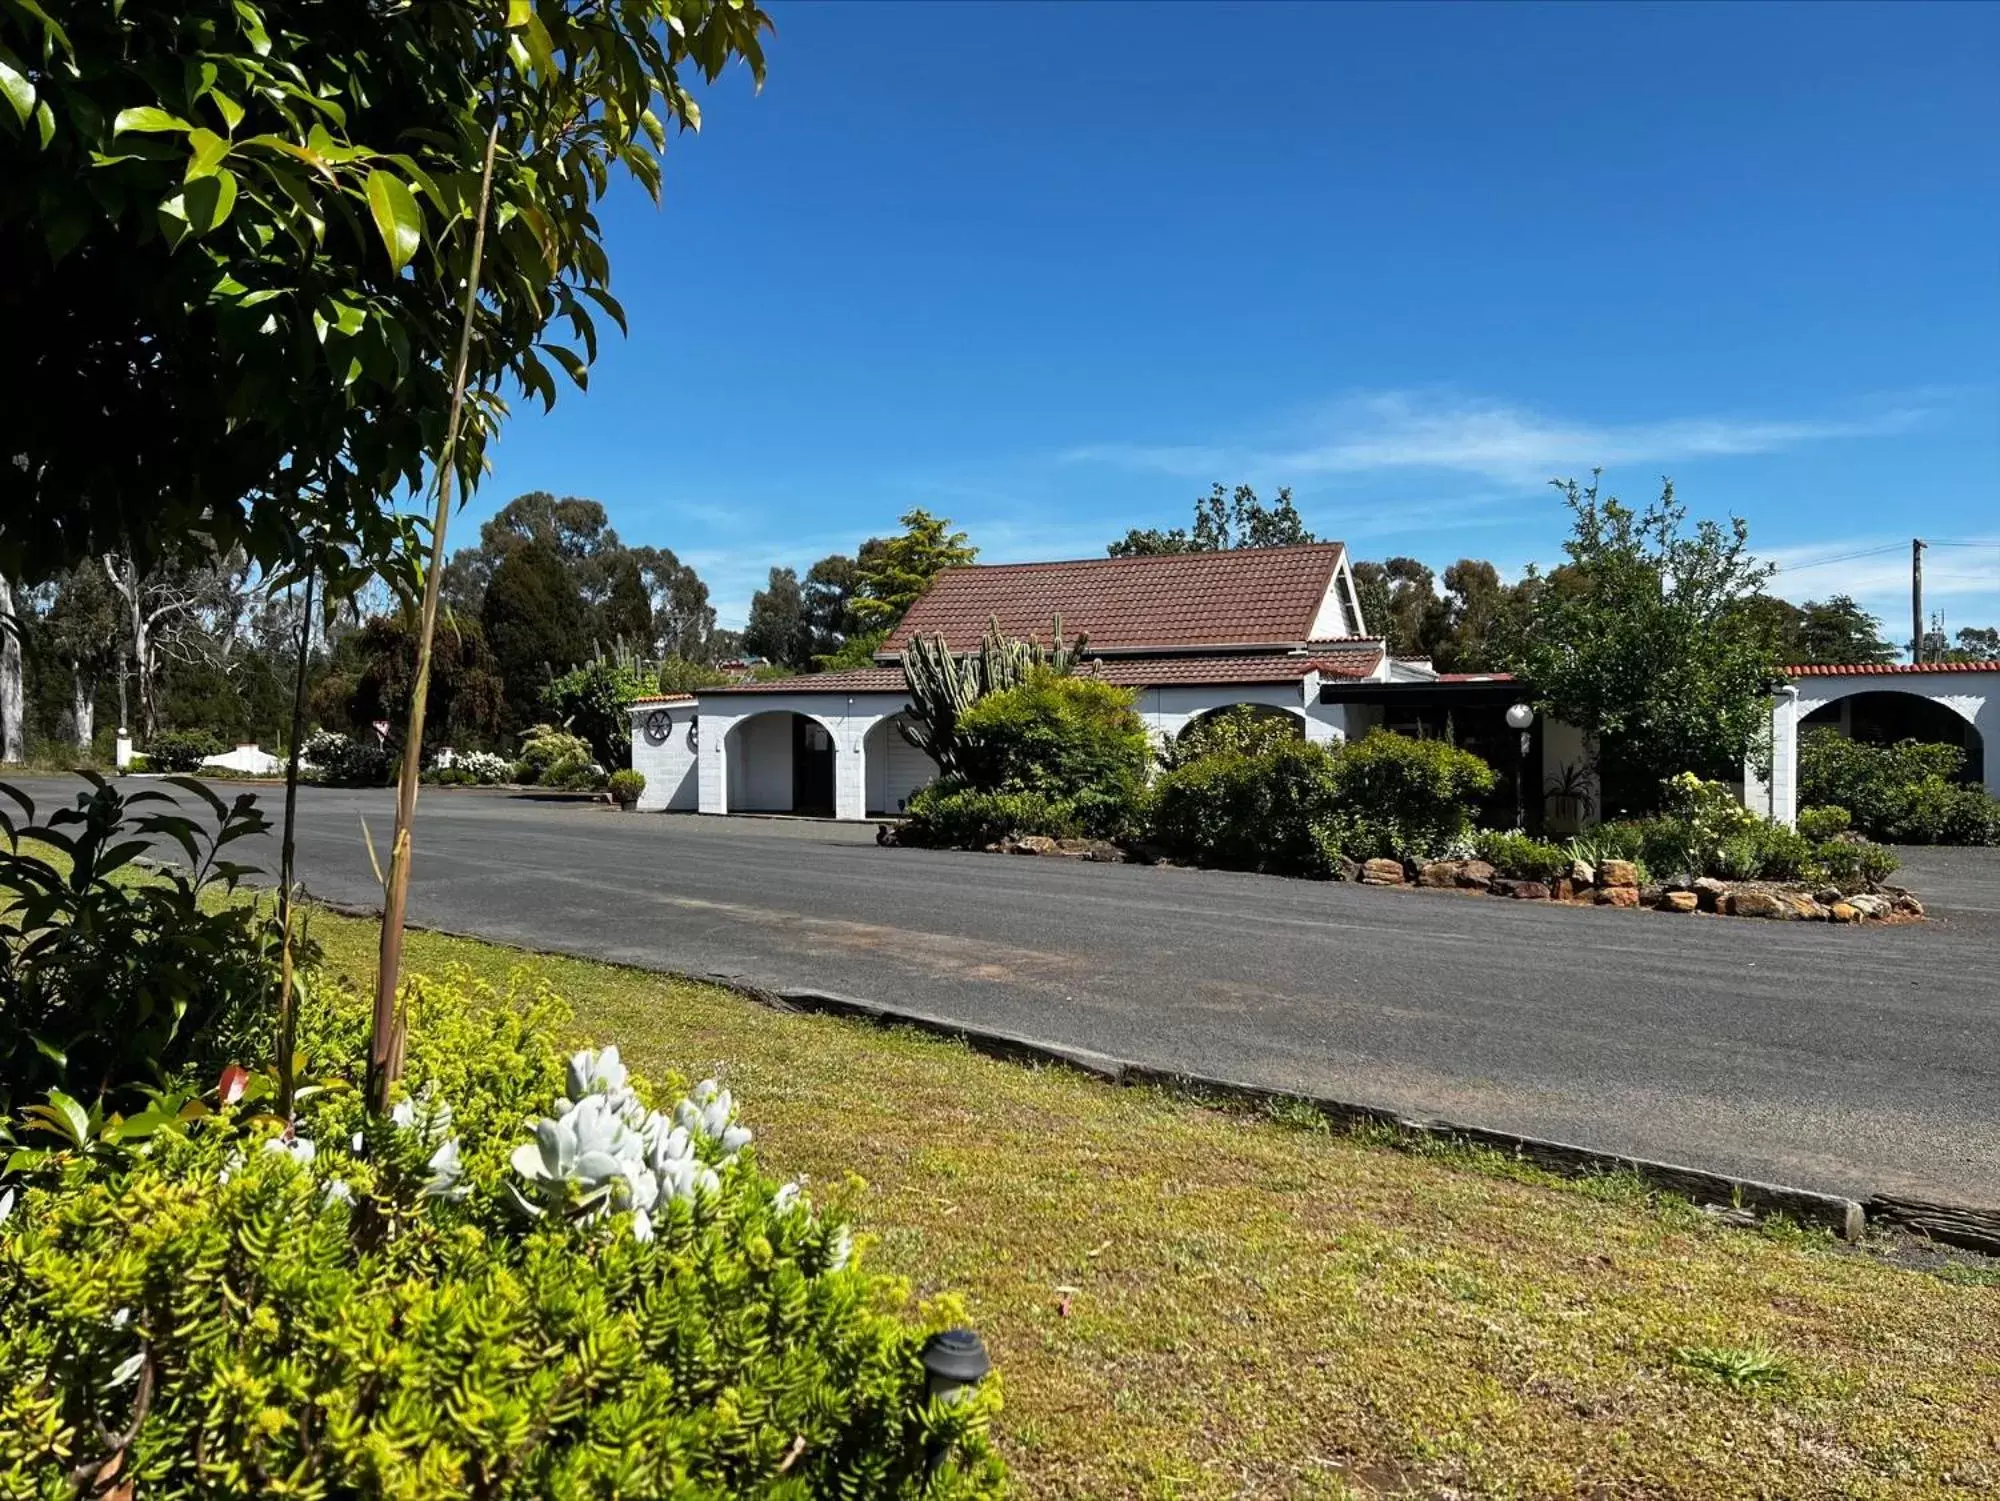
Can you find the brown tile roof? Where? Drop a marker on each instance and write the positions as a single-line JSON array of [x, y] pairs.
[[1846, 670], [1263, 596], [663, 698], [852, 680], [1129, 672]]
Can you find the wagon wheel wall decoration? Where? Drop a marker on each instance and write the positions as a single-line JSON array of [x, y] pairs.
[[694, 732], [659, 725]]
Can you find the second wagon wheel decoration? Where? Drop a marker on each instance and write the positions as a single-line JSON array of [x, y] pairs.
[[659, 725], [694, 732]]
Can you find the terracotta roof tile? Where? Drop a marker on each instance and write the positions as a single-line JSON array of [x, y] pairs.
[[1846, 670], [1127, 672], [1265, 596], [663, 698]]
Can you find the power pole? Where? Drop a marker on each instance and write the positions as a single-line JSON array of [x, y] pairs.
[[1916, 599]]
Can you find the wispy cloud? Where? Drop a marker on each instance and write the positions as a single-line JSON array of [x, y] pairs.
[[1499, 442]]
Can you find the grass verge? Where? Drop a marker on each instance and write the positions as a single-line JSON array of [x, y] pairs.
[[1186, 1302]]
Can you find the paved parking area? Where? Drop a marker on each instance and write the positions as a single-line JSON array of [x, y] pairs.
[[1850, 1060]]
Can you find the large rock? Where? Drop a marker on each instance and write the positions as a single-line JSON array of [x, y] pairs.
[[1582, 873], [1844, 912], [1679, 901], [1909, 906], [1475, 873], [1617, 896], [1868, 904], [1751, 901], [1382, 873], [1530, 891], [1806, 907], [1710, 893], [1439, 873], [1345, 869], [1617, 873], [1036, 844]]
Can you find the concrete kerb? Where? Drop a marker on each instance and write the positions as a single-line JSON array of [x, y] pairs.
[[1975, 1229]]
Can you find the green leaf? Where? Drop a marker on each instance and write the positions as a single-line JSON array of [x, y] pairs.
[[45, 123], [145, 118], [14, 84], [229, 109], [209, 150], [55, 33], [519, 13], [252, 26], [208, 200], [578, 371], [397, 217]]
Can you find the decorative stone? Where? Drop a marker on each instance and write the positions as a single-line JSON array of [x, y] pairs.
[[1617, 896], [1750, 901], [1382, 873], [1036, 844], [1562, 889], [1439, 873], [1679, 901], [1909, 906], [1710, 892], [1530, 891], [1476, 874], [1651, 894], [1346, 869], [1582, 873], [1844, 912], [1869, 905], [1805, 906], [1617, 873]]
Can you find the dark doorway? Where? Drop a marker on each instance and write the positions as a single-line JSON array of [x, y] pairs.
[[812, 768]]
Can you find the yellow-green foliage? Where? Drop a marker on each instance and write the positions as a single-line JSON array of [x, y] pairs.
[[359, 1323]]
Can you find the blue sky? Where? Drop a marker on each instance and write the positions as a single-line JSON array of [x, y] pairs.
[[1051, 270]]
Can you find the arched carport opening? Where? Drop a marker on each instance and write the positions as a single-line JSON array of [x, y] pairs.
[[1886, 716], [780, 762], [1226, 723], [894, 767]]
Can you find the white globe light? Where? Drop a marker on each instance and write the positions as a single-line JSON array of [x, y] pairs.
[[1520, 717]]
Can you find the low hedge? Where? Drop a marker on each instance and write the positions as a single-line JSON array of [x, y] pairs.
[[1906, 793], [1295, 808], [181, 750]]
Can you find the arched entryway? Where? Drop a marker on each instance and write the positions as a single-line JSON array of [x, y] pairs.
[[894, 767], [780, 762], [1886, 716]]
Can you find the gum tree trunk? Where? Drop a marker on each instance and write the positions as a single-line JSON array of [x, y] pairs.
[[13, 733]]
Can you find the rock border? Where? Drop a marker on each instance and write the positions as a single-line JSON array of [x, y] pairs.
[[1612, 883]]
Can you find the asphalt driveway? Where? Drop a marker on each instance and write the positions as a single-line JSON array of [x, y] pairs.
[[1852, 1060]]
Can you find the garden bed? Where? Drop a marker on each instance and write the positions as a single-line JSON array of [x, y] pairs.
[[1613, 883]]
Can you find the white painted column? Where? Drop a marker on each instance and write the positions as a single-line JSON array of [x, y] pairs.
[[1785, 757], [850, 770], [712, 763]]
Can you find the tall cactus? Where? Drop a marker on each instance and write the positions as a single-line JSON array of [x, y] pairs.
[[944, 686]]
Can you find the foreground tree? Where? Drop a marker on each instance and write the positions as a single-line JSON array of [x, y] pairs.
[[1639, 644], [232, 288]]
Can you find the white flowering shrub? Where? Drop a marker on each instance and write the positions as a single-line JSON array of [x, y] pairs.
[[534, 1278]]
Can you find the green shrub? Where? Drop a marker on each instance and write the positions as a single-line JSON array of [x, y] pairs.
[[1819, 824], [1763, 851], [1246, 728], [1278, 811], [1407, 799], [1075, 742], [1622, 839], [107, 983], [1908, 793], [626, 785], [182, 750], [552, 757], [1520, 855], [594, 702], [1853, 864], [340, 761], [458, 1307], [946, 814]]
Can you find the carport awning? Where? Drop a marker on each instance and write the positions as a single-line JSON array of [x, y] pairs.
[[1498, 690]]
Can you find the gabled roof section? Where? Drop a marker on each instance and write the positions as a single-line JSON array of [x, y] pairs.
[[1248, 598]]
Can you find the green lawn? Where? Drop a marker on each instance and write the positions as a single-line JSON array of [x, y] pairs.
[[1190, 1302]]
